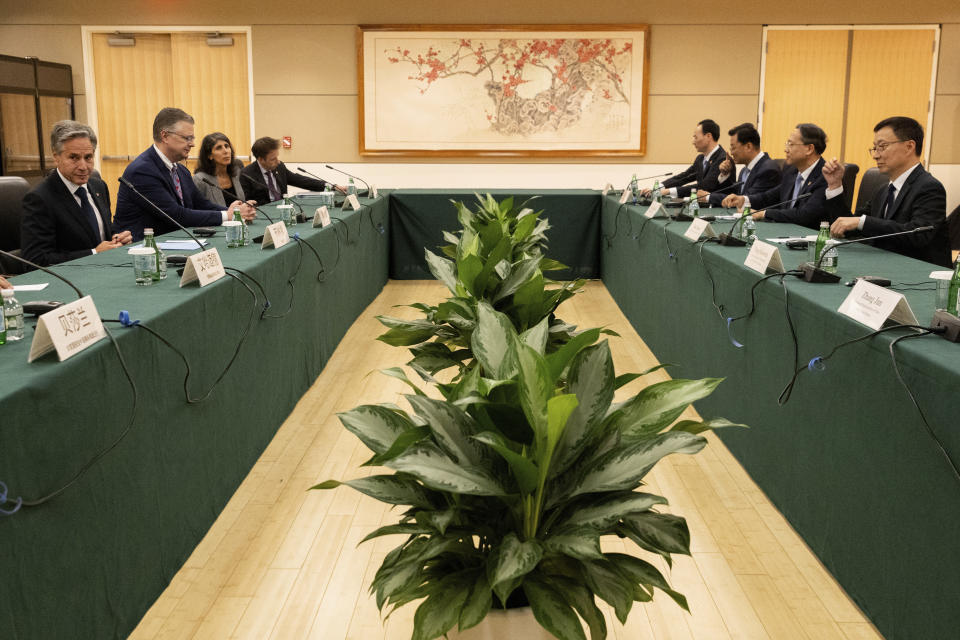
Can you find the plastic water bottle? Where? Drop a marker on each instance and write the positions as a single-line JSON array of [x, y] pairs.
[[633, 188], [743, 222], [150, 242], [657, 194], [245, 238], [351, 188], [750, 230], [953, 296], [822, 236], [12, 316], [694, 205]]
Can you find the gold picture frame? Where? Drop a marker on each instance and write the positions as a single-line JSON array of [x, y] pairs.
[[503, 90]]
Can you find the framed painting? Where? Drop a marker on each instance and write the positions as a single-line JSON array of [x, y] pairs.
[[514, 90]]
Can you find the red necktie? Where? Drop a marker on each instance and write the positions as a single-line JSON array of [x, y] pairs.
[[176, 182]]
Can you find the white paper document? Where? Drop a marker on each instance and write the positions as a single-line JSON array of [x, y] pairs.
[[31, 287]]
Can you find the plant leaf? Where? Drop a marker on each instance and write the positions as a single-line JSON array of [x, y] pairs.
[[442, 270], [658, 405], [582, 543], [399, 374], [478, 603], [692, 426], [434, 469], [437, 520], [524, 470], [623, 468], [510, 560], [637, 570], [552, 611], [467, 270], [491, 342], [535, 389], [663, 531], [581, 599], [589, 378], [441, 610], [396, 529], [451, 426], [377, 427], [607, 511], [609, 585], [559, 359], [520, 273], [536, 336], [392, 489]]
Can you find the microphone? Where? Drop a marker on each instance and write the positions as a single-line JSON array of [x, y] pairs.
[[339, 171], [729, 186], [813, 273], [36, 266], [166, 215], [729, 240], [234, 196], [659, 175]]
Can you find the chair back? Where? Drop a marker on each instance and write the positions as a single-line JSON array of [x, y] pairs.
[[872, 182], [12, 190], [850, 172]]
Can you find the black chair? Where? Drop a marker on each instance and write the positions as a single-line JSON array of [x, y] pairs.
[[850, 172], [781, 163], [12, 190], [953, 228], [872, 182]]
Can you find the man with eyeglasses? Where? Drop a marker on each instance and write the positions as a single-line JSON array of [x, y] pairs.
[[158, 174], [704, 174], [913, 198], [760, 171], [803, 151]]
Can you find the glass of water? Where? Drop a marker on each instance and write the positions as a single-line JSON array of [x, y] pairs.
[[234, 229], [144, 264]]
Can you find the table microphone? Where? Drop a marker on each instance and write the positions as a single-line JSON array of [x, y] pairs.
[[813, 273], [166, 215], [36, 266], [729, 240], [343, 172], [234, 196]]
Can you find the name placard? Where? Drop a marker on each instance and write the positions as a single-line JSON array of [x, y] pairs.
[[764, 256], [699, 228], [607, 188], [68, 330], [373, 192], [352, 201], [873, 305], [275, 235], [655, 210], [625, 196], [321, 218], [204, 267]]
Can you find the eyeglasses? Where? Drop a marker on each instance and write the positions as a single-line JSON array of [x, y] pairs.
[[880, 147], [788, 144], [187, 139]]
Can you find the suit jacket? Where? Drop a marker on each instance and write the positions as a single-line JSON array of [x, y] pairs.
[[150, 176], [215, 195], [809, 212], [765, 175], [53, 229], [922, 201], [698, 177], [257, 188]]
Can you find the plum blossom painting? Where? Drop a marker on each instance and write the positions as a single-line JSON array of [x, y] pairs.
[[503, 90]]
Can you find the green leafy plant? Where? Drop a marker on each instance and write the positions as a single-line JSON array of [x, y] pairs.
[[510, 479]]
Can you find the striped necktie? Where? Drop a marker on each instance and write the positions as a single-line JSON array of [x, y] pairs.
[[176, 182]]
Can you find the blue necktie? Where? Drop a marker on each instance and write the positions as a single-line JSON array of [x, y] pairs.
[[87, 210], [743, 179], [891, 197], [796, 189]]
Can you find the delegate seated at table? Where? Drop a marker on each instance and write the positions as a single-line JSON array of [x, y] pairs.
[[67, 215], [913, 198], [704, 173], [759, 173], [268, 178]]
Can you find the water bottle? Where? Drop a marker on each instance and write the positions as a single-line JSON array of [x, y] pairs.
[[743, 226], [150, 242], [351, 188], [750, 230], [694, 205], [822, 236], [657, 194], [633, 188], [245, 238], [12, 317], [953, 299], [293, 216]]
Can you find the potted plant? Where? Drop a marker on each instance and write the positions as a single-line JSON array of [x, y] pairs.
[[513, 470]]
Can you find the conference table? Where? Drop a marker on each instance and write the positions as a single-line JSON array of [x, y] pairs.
[[846, 458]]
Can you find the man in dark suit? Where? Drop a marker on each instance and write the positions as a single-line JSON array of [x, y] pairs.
[[704, 173], [157, 174], [913, 198], [67, 215], [268, 178], [760, 172], [803, 151]]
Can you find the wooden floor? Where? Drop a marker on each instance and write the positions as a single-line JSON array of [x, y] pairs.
[[283, 563]]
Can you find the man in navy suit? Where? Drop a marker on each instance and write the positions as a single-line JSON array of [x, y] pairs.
[[157, 174], [803, 151], [704, 173], [267, 178], [913, 198], [760, 173], [67, 215]]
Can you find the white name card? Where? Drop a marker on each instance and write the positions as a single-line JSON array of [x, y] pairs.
[[322, 217], [373, 192], [655, 210], [275, 236], [353, 201], [68, 329], [626, 196], [699, 228], [204, 267], [764, 256], [607, 188], [873, 305]]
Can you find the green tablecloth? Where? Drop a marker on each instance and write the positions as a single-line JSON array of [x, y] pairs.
[[847, 460], [418, 218], [90, 562]]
